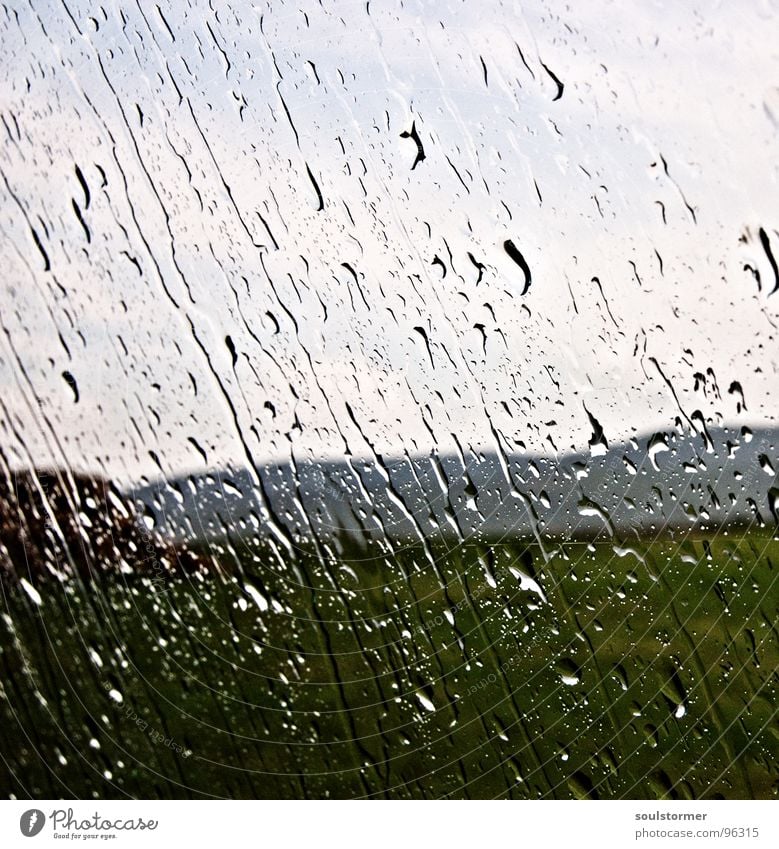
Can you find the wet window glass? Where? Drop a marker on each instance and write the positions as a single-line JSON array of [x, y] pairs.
[[388, 400]]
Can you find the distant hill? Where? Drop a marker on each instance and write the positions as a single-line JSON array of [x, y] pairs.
[[669, 482]]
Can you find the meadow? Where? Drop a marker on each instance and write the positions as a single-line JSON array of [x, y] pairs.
[[584, 670]]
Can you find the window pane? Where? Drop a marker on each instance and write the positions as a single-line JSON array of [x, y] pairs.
[[388, 401]]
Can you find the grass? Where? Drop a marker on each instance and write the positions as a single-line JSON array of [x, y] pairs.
[[645, 671]]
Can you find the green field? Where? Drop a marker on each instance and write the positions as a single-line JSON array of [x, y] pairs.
[[641, 673]]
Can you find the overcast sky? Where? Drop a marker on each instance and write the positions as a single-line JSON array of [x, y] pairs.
[[173, 178]]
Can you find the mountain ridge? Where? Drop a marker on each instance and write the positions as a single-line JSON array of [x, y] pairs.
[[676, 480]]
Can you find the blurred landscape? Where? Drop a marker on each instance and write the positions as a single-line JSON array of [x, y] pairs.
[[573, 654]]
